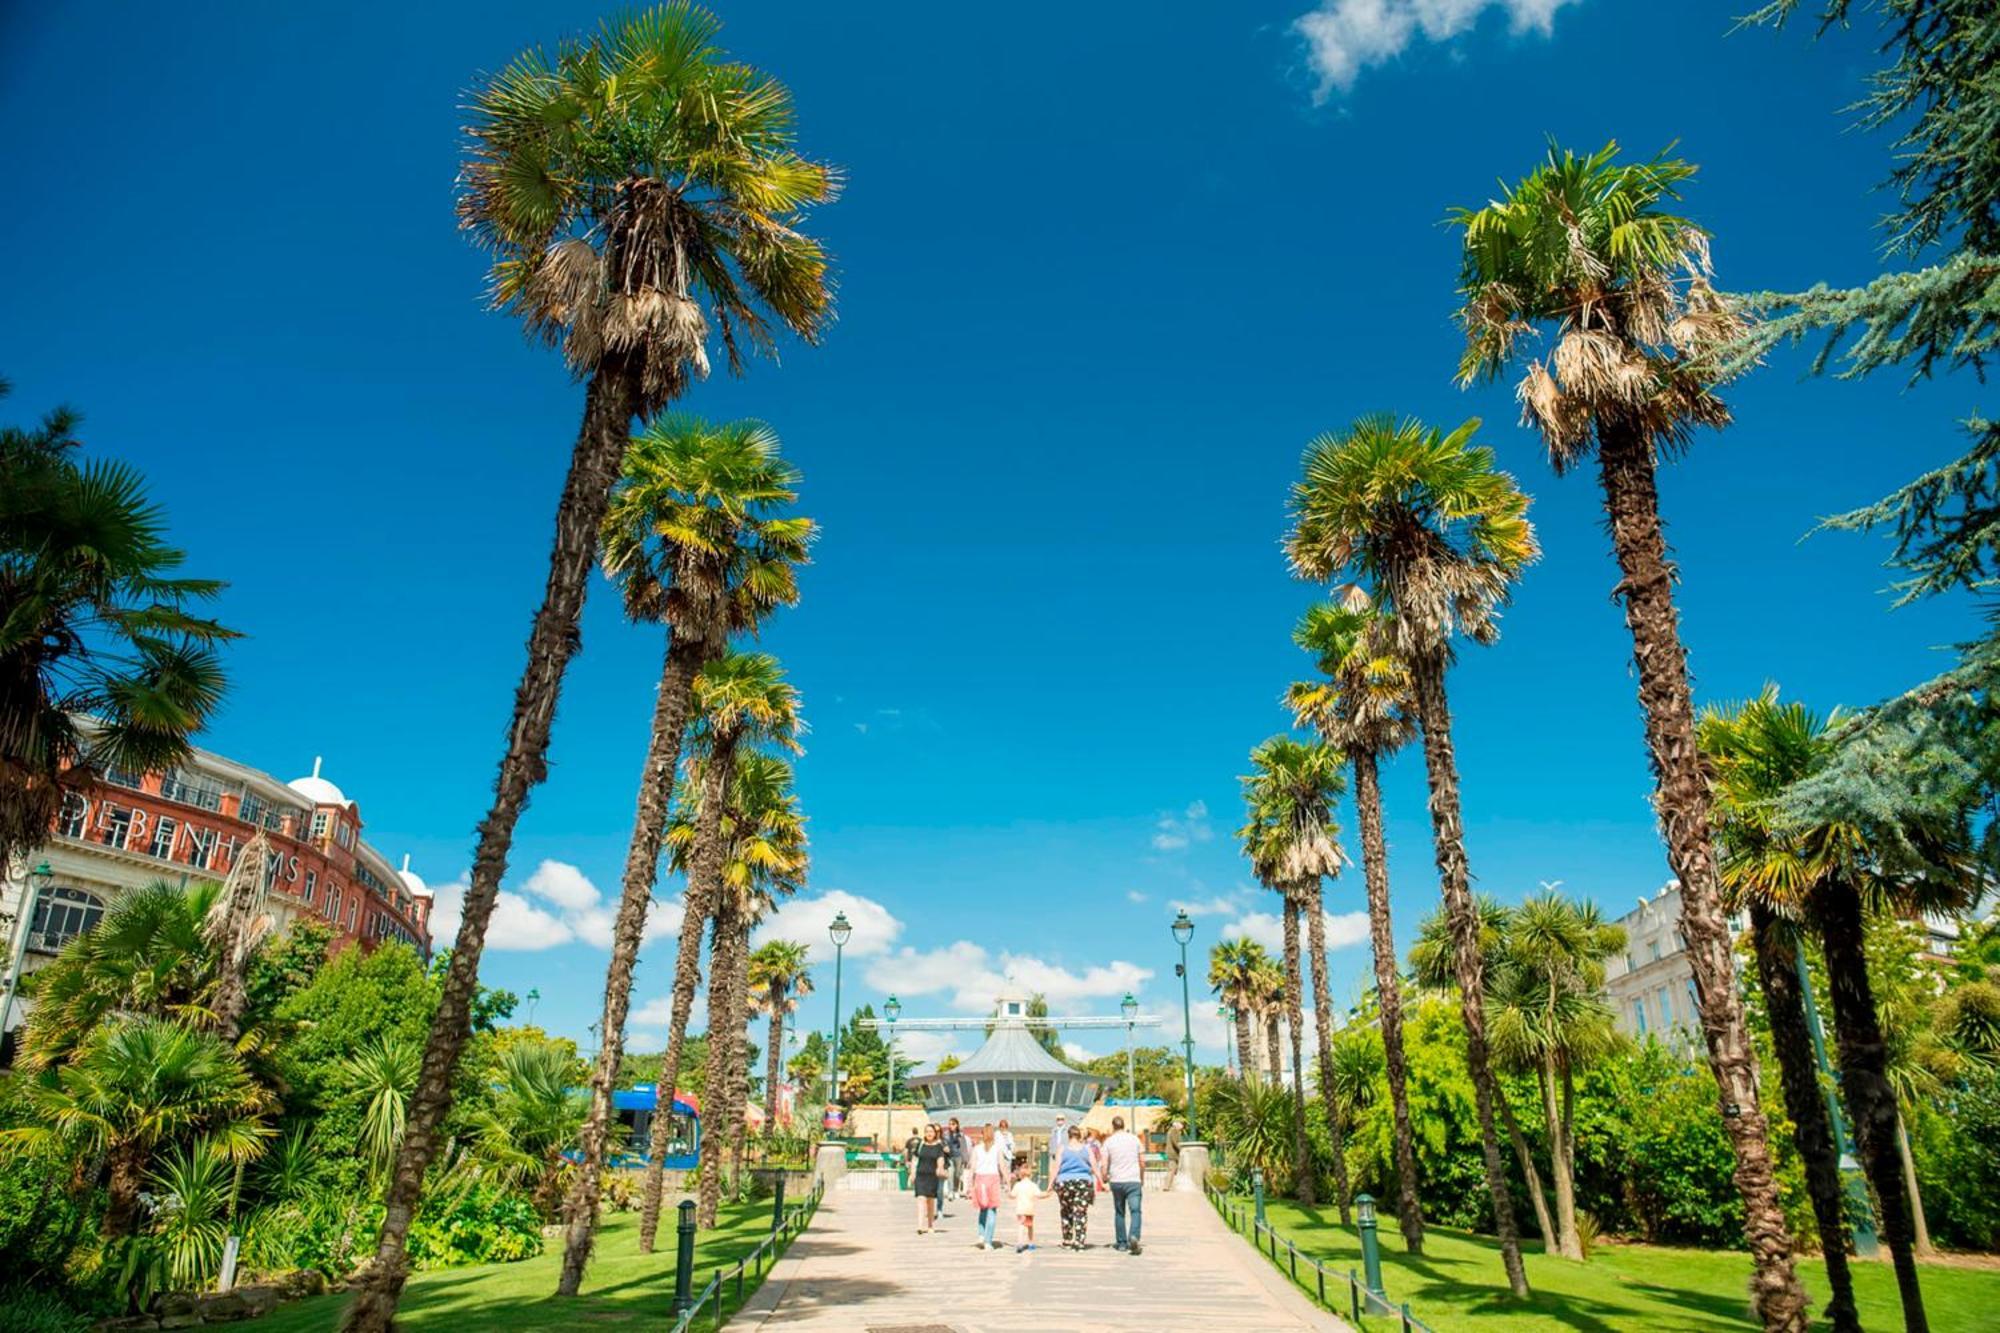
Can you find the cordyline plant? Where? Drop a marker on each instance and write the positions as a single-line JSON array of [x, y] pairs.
[[638, 191]]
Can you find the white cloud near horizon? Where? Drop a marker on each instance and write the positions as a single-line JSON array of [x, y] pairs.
[[557, 904], [970, 978], [1344, 37], [876, 928]]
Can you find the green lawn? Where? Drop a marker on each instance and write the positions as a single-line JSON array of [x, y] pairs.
[[622, 1286], [1457, 1284]]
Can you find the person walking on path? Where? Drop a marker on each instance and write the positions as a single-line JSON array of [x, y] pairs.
[[1073, 1177], [985, 1162], [1005, 1138], [929, 1161], [1026, 1193], [1124, 1165], [954, 1159]]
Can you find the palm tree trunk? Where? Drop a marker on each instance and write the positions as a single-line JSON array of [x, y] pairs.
[[1315, 907], [774, 1067], [1805, 1104], [1274, 1060], [1244, 1045], [230, 936], [1454, 877], [725, 1041], [126, 1178], [609, 404], [1388, 992], [1303, 1185], [1567, 1242], [1921, 1226], [1529, 1172], [1681, 798], [739, 1067], [698, 905], [642, 861], [1865, 1082]]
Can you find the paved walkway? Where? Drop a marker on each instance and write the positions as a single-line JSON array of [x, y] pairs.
[[862, 1268]]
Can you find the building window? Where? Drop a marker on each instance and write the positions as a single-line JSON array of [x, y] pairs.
[[333, 902], [1639, 1014], [1653, 950], [122, 777], [62, 914], [353, 913], [115, 821], [1666, 1007], [163, 837], [343, 833], [986, 1091], [1045, 1091], [251, 808], [201, 846], [191, 791], [319, 825], [1694, 1005], [75, 816], [312, 886]]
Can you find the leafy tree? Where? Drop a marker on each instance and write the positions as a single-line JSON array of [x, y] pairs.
[[1441, 535], [1362, 708], [105, 661], [634, 190], [1156, 1071], [780, 976], [864, 1061], [697, 539], [809, 1067], [1584, 247], [1234, 967]]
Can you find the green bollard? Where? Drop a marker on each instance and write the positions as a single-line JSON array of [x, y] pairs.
[[684, 1260], [1371, 1252], [1257, 1187], [778, 1204]]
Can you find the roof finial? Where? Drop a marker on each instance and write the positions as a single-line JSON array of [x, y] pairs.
[[315, 765], [406, 863]]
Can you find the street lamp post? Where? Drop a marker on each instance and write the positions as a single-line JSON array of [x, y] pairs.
[[31, 893], [1130, 1008], [838, 933], [892, 1011], [1227, 1013], [1860, 1211], [1183, 929]]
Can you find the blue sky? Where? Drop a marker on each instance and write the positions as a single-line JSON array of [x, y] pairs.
[[1104, 270]]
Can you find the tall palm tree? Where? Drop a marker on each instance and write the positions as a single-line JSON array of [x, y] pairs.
[[1442, 535], [763, 859], [1433, 961], [1548, 1016], [634, 189], [1583, 247], [1270, 1002], [103, 662], [743, 699], [1233, 967], [697, 538], [781, 976], [1292, 837], [1262, 843], [1827, 874], [1362, 708], [136, 1086]]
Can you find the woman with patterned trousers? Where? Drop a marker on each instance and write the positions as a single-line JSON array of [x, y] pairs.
[[1073, 1177]]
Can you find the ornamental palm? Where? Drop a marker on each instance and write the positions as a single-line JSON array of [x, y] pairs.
[[1362, 708], [1584, 247], [136, 1086], [1441, 534], [382, 1075], [634, 189], [534, 1118], [781, 976], [1826, 875], [95, 623], [732, 848], [1233, 968], [697, 538], [1547, 1016], [1291, 839]]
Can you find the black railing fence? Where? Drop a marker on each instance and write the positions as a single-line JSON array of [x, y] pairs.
[[1356, 1301], [786, 1227]]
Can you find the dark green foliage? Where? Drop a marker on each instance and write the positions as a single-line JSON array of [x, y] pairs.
[[478, 1225], [1156, 1071], [1957, 1146]]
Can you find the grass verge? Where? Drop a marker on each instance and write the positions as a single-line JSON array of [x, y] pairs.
[[1457, 1283], [623, 1286]]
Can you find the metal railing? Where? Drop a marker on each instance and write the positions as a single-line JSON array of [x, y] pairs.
[[754, 1264], [1359, 1300]]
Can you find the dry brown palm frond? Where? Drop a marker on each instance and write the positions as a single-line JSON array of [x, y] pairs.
[[1309, 855], [1647, 308]]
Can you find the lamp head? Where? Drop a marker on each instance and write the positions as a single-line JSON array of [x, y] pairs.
[[1129, 1007], [839, 930], [1183, 927], [893, 1010], [1364, 1209]]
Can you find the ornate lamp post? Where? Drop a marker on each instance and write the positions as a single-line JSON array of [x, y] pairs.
[[1129, 1007], [31, 894], [892, 1011], [1183, 929], [838, 932]]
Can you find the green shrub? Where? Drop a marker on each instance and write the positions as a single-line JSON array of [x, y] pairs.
[[482, 1224], [31, 1310]]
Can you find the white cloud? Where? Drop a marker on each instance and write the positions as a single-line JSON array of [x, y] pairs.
[[1220, 905], [1268, 929], [927, 1048], [876, 928], [1173, 833], [970, 978], [1344, 37], [557, 904], [1134, 896]]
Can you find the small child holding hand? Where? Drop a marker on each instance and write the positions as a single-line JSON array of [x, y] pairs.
[[1025, 1192]]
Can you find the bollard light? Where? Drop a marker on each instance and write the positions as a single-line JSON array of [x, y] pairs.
[[1371, 1251]]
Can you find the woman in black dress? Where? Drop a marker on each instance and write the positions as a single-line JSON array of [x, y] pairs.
[[930, 1167]]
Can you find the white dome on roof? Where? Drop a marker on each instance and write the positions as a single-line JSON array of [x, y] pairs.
[[410, 879], [316, 788]]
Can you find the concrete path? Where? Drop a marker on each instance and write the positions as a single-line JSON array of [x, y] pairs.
[[862, 1268]]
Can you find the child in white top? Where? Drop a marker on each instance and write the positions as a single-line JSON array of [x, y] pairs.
[[1025, 1192]]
